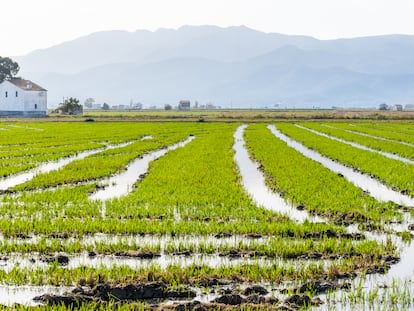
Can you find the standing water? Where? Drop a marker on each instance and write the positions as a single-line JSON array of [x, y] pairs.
[[400, 273], [355, 145], [376, 189], [254, 182], [123, 183], [21, 178]]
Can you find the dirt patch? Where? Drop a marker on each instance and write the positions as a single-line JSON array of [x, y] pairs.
[[106, 292], [211, 281], [253, 302], [223, 235], [256, 289], [138, 254], [299, 301], [237, 253], [62, 260], [319, 286]]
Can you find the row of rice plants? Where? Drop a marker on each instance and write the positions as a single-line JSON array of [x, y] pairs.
[[61, 133], [393, 173], [176, 274], [374, 143], [21, 161], [404, 127], [58, 203], [58, 140], [102, 164], [69, 210], [273, 246], [40, 150], [303, 181], [378, 130]]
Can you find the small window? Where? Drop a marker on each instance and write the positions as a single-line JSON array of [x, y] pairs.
[[7, 94], [35, 106], [17, 94]]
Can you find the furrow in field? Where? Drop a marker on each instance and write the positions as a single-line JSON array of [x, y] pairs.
[[358, 146], [396, 175], [254, 183], [370, 135], [376, 189], [380, 131]]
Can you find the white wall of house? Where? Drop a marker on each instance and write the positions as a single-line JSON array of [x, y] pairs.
[[25, 102], [35, 100], [8, 99]]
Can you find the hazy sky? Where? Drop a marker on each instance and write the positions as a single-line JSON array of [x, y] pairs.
[[26, 25]]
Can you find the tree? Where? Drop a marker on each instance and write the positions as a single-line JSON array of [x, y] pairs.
[[167, 107], [71, 106], [8, 68], [105, 106], [89, 102]]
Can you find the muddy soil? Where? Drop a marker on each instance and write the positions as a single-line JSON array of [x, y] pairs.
[[156, 294]]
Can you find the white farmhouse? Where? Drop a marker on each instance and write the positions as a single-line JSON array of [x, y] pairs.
[[22, 98]]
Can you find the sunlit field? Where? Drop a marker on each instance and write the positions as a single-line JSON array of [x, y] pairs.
[[163, 215]]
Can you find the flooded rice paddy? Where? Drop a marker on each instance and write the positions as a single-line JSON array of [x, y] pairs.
[[252, 246], [385, 154], [375, 188], [372, 136]]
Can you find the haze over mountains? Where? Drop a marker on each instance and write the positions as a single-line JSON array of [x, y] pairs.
[[235, 66]]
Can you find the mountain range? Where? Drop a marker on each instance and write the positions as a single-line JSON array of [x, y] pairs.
[[235, 66]]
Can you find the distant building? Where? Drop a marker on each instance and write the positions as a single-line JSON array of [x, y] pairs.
[[136, 106], [22, 98], [184, 105], [383, 106], [93, 106], [210, 106], [397, 107], [409, 107], [120, 107]]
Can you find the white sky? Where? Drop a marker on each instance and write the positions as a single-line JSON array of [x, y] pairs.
[[26, 25]]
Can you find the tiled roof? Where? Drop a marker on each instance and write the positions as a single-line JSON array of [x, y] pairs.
[[26, 85]]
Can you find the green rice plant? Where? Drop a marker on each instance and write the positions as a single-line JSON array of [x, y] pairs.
[[394, 131], [393, 173], [303, 181], [393, 147]]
